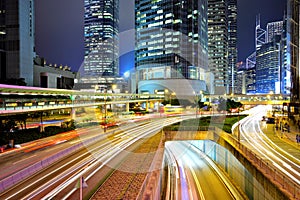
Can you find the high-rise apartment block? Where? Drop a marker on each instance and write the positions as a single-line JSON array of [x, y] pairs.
[[101, 40], [171, 45], [17, 40]]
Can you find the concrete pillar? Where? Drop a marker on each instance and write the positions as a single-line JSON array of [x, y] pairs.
[[151, 104], [147, 105], [127, 107], [73, 113]]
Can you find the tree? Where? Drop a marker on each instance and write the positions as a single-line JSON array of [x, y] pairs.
[[22, 119], [228, 104], [222, 104]]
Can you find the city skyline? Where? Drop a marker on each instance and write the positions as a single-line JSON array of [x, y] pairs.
[[62, 45]]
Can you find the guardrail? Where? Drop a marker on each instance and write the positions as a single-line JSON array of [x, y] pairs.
[[30, 170], [285, 184]]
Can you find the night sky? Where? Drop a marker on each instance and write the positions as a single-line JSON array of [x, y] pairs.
[[59, 29]]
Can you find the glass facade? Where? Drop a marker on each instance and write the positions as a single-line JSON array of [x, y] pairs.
[[171, 39], [268, 67], [101, 39], [218, 44], [273, 29], [292, 50], [232, 45], [17, 40]]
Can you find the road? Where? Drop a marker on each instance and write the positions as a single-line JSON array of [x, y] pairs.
[[59, 179], [252, 136], [196, 175]]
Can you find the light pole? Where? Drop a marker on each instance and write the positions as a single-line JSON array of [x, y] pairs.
[[239, 133], [105, 92]]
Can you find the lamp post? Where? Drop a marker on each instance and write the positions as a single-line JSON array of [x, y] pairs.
[[105, 112], [239, 133]]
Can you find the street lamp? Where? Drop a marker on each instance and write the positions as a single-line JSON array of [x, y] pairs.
[[239, 133]]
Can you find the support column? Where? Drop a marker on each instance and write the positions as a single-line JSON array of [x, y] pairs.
[[73, 113], [147, 105], [127, 107]]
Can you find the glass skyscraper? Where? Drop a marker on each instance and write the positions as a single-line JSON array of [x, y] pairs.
[[293, 45], [222, 43], [273, 29], [171, 42], [268, 67], [101, 39], [232, 44], [17, 40]]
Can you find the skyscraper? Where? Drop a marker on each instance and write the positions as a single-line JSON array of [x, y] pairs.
[[171, 44], [293, 60], [273, 29], [17, 40], [268, 67], [101, 40], [260, 34], [232, 44], [222, 43]]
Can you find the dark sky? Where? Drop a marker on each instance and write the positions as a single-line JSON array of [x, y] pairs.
[[59, 29]]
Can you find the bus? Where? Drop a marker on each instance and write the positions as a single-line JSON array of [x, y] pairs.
[[169, 109]]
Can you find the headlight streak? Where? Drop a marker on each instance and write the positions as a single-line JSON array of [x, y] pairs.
[[142, 132], [54, 180], [259, 148], [107, 146], [191, 161]]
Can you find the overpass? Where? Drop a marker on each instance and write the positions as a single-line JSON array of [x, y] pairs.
[[253, 99], [18, 99], [22, 99]]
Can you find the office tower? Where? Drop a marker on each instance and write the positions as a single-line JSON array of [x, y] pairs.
[[250, 73], [171, 44], [241, 78], [101, 29], [268, 67], [260, 34], [16, 40], [285, 70], [221, 17], [273, 29], [293, 59], [232, 44]]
